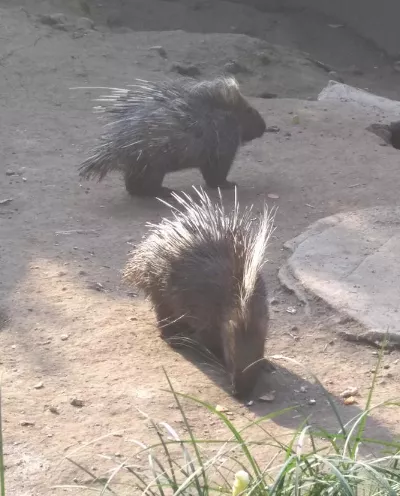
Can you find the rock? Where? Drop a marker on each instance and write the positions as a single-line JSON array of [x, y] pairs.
[[233, 67], [84, 24], [312, 401], [267, 94], [186, 70], [58, 20], [160, 50], [272, 129], [64, 337], [6, 201], [263, 58], [335, 76], [351, 391], [268, 397], [39, 385], [26, 423], [76, 402]]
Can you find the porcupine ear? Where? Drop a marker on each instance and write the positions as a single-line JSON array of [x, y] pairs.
[[229, 89], [256, 243]]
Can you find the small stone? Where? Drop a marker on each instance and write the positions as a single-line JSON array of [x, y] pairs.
[[77, 403], [291, 310], [250, 403], [85, 24], [268, 397], [233, 67], [335, 76], [64, 337], [132, 294], [6, 201], [39, 385], [267, 95], [303, 389], [53, 19], [350, 400], [160, 50], [96, 286], [273, 196], [350, 391], [54, 410], [272, 129], [26, 423], [263, 58], [186, 70], [386, 366], [222, 409], [312, 401]]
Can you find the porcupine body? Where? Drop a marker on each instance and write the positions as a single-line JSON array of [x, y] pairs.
[[158, 128], [202, 272]]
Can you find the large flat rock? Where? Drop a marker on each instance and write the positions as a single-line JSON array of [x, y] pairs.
[[352, 261]]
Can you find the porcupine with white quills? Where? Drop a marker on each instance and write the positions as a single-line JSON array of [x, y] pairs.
[[159, 128], [202, 273]]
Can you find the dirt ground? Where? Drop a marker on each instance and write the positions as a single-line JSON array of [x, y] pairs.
[[69, 329]]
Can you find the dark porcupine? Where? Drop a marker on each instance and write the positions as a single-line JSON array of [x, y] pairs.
[[158, 128], [202, 273]]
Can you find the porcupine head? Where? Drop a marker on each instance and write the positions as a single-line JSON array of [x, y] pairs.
[[251, 123], [243, 339]]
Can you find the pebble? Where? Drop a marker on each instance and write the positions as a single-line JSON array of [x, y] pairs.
[[268, 397], [160, 50], [56, 20], [76, 402], [186, 70], [39, 385], [85, 23], [312, 401], [234, 67], [291, 310], [267, 95], [350, 391], [54, 409], [272, 129], [26, 423], [64, 337]]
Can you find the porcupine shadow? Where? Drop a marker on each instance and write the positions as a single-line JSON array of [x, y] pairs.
[[160, 128], [202, 273]]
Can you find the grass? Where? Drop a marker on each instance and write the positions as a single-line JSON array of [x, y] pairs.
[[312, 462]]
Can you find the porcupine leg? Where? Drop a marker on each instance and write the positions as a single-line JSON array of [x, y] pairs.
[[215, 174], [146, 185]]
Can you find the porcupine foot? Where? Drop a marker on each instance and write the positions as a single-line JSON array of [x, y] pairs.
[[146, 186]]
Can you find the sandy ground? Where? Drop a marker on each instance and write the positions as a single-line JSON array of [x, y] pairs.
[[66, 338]]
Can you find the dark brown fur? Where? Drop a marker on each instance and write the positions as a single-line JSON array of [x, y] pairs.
[[202, 273], [159, 128]]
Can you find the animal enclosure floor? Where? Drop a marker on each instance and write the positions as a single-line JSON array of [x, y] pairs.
[[80, 353]]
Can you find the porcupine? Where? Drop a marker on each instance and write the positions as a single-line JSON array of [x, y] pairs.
[[201, 271], [158, 128]]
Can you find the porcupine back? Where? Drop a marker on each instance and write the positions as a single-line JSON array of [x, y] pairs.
[[170, 126], [202, 270]]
